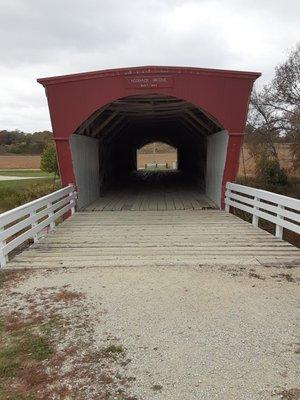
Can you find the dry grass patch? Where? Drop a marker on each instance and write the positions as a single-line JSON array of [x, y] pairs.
[[286, 277], [23, 348], [9, 279], [47, 351], [66, 295], [289, 394], [257, 276]]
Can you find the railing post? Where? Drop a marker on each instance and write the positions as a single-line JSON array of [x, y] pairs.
[[72, 210], [33, 224], [50, 214], [3, 257], [227, 206], [279, 228], [255, 217], [70, 194], [282, 211]]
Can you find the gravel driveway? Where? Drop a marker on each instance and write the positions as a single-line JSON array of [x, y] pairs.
[[193, 332], [18, 178]]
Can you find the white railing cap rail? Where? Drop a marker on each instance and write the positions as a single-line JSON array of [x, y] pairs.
[[12, 215], [29, 220], [281, 210], [262, 194]]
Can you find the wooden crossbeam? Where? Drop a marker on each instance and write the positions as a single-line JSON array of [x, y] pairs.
[[91, 119], [212, 119], [157, 113], [188, 127], [104, 124], [153, 117], [120, 130], [114, 125], [199, 121], [194, 125], [148, 106]]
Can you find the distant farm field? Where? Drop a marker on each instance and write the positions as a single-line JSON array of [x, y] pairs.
[[160, 158], [8, 161], [247, 163]]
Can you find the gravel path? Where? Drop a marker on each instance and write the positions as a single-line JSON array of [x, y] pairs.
[[194, 332], [18, 178]]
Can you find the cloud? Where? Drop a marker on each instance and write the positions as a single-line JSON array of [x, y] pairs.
[[46, 38]]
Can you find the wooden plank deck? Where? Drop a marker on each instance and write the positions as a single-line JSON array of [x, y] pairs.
[[152, 200], [152, 238]]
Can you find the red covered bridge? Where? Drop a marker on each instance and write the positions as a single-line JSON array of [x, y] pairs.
[[101, 118]]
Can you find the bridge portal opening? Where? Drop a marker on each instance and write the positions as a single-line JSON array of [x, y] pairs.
[[157, 156], [105, 148]]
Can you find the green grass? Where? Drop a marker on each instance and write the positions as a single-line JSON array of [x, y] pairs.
[[23, 184], [38, 347], [20, 344], [2, 279], [1, 325], [23, 346], [113, 349], [16, 193], [25, 173]]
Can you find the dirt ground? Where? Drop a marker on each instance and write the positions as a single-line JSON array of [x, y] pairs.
[[166, 333]]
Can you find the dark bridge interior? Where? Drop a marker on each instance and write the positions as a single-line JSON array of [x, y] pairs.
[[127, 124]]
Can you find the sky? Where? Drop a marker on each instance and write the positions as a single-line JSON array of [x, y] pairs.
[[40, 38]]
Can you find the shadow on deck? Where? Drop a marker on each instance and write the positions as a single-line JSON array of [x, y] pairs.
[[152, 191]]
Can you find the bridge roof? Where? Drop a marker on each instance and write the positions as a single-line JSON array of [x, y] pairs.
[[148, 69]]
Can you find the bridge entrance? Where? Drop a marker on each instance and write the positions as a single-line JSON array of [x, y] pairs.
[[100, 119], [104, 155]]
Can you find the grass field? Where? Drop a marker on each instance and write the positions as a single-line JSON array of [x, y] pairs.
[[23, 184], [25, 173], [14, 193]]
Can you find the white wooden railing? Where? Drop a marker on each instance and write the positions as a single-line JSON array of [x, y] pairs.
[[27, 221], [283, 211]]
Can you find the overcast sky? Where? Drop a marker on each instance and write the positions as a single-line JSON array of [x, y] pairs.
[[41, 38]]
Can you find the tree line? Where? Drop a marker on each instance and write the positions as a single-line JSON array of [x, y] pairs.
[[18, 142], [37, 143]]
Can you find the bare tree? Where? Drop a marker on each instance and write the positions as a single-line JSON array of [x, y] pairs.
[[262, 125], [275, 112], [285, 88]]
